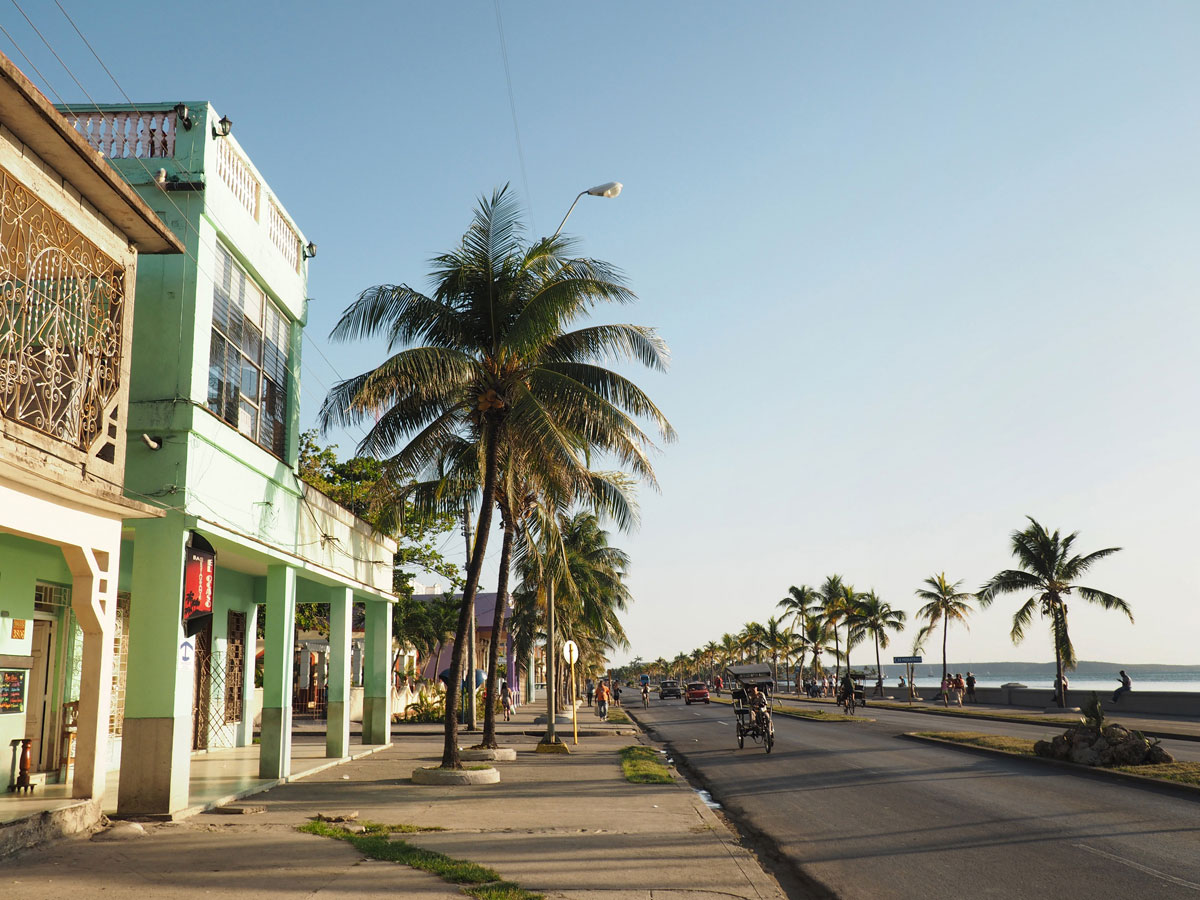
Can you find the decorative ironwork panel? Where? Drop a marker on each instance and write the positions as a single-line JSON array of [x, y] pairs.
[[284, 237], [62, 302], [235, 666], [120, 666]]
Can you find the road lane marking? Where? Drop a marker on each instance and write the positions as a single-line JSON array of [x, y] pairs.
[[719, 722], [1136, 865]]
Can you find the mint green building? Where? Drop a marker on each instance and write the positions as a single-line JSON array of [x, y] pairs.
[[213, 443]]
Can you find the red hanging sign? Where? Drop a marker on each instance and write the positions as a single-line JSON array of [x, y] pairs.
[[199, 566]]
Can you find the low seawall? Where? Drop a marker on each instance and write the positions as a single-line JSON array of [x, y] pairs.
[[1149, 703]]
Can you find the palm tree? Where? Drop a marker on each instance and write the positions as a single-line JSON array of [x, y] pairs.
[[750, 640], [832, 610], [1049, 570], [487, 357], [852, 615], [878, 618], [798, 602], [944, 603], [815, 637], [710, 650], [729, 648], [774, 641]]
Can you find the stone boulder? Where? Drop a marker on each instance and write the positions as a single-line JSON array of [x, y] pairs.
[[1112, 745]]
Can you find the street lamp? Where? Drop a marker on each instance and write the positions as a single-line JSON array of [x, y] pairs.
[[608, 189]]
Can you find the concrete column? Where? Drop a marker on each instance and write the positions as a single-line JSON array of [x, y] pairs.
[[275, 753], [94, 600], [157, 739], [337, 721], [245, 734], [377, 686]]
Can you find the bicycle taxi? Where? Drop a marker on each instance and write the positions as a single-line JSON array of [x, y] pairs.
[[753, 723]]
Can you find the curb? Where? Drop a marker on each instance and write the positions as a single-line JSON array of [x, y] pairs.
[[1162, 785]]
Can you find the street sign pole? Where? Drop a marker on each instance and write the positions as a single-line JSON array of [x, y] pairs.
[[571, 655], [909, 662]]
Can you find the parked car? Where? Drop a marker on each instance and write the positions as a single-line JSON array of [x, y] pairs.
[[697, 692], [668, 689]]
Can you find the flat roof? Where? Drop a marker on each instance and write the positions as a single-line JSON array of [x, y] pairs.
[[27, 113]]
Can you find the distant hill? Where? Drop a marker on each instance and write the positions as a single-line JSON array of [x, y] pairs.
[[1085, 667]]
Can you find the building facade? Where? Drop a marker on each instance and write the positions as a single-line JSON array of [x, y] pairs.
[[213, 436], [71, 235]]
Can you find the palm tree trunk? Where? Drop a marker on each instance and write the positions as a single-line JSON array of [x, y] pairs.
[[878, 670], [837, 657], [945, 634], [489, 714], [450, 758]]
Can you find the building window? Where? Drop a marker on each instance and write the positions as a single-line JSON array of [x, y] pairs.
[[247, 363], [120, 667]]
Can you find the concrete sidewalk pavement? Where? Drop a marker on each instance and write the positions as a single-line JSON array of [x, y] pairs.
[[563, 825]]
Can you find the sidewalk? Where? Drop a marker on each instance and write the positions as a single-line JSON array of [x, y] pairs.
[[566, 826]]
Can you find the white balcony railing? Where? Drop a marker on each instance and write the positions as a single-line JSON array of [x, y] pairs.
[[128, 134]]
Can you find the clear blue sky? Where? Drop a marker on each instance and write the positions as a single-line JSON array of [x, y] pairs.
[[924, 268]]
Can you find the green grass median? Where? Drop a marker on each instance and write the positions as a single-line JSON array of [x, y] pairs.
[[1178, 772], [482, 882], [642, 765]]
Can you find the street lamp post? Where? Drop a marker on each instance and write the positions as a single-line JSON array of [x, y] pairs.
[[608, 189]]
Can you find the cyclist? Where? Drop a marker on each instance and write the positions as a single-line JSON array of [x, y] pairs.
[[645, 695], [757, 701], [847, 692]]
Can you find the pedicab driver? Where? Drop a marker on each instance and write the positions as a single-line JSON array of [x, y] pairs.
[[757, 701]]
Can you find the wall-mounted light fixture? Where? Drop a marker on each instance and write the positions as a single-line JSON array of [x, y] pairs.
[[310, 250], [223, 128], [154, 443], [160, 177], [182, 116]]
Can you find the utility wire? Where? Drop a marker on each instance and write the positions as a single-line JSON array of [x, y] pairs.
[[512, 105]]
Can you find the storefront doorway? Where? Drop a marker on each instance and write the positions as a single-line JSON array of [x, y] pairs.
[[40, 697]]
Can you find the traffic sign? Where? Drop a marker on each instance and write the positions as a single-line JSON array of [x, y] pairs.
[[570, 652], [906, 659]]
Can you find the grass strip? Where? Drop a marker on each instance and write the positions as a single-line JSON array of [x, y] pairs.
[[961, 712], [502, 890], [380, 846], [1179, 772], [396, 828], [618, 717], [1019, 746], [641, 765]]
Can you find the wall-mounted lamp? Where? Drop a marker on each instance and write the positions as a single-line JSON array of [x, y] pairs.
[[154, 443], [160, 177], [182, 116], [310, 250], [223, 128]]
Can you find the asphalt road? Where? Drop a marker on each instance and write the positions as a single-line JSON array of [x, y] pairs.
[[868, 814]]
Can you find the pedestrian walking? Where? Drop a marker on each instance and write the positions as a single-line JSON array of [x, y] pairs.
[[591, 688], [602, 695], [506, 701], [1125, 688], [960, 688], [616, 693], [971, 688], [1060, 689], [947, 683]]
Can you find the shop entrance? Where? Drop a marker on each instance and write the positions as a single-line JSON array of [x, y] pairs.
[[38, 706]]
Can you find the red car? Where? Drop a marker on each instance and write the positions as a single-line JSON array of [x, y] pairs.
[[697, 692]]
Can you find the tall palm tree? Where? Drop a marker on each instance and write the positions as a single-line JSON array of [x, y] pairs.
[[852, 616], [775, 641], [945, 603], [833, 601], [798, 602], [488, 355], [750, 639], [815, 636], [729, 648], [710, 651], [878, 618], [1049, 570]]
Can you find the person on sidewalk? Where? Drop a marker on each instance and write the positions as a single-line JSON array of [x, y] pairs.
[[506, 701], [960, 688], [971, 688], [946, 685], [616, 693], [591, 689], [602, 695], [1125, 688]]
